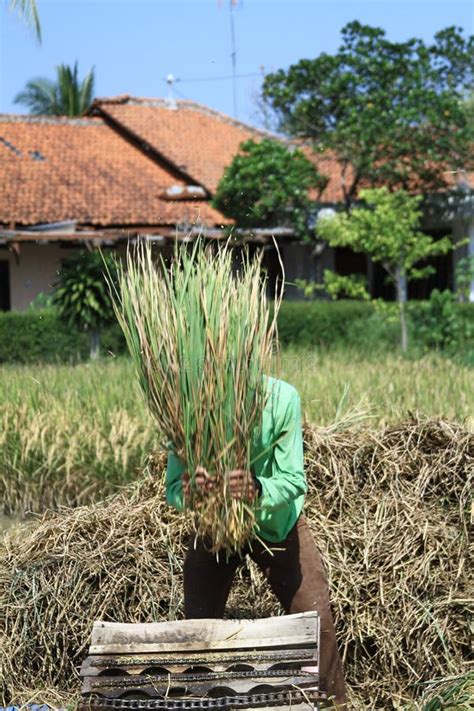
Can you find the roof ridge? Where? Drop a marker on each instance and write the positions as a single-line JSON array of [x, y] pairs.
[[54, 120], [124, 99]]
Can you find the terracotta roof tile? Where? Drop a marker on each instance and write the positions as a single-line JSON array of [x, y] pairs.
[[53, 169], [199, 141]]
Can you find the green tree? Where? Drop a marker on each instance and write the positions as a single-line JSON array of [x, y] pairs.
[[268, 184], [82, 294], [28, 10], [387, 229], [65, 96], [394, 113]]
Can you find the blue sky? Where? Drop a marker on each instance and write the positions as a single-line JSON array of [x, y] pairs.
[[134, 44]]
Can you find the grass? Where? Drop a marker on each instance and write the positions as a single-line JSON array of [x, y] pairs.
[[70, 435], [387, 385]]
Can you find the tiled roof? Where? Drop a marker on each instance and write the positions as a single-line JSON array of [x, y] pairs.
[[54, 169], [327, 165], [125, 163], [199, 141]]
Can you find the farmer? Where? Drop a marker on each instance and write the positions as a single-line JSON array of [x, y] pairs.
[[294, 569]]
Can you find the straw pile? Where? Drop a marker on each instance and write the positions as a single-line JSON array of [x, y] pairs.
[[388, 510], [451, 694], [201, 338]]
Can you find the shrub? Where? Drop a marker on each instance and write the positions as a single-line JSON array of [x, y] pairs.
[[440, 324], [326, 323], [82, 295], [40, 335]]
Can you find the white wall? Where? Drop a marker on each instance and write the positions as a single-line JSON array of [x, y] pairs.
[[33, 271]]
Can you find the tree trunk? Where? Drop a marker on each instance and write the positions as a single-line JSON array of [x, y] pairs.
[[95, 345], [401, 288]]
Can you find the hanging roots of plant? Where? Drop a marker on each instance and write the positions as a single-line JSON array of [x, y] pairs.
[[388, 510]]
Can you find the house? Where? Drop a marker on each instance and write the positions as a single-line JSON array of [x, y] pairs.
[[139, 167]]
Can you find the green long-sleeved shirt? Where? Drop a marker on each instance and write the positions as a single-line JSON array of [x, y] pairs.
[[277, 462]]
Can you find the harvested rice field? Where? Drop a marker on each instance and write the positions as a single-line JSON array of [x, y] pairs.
[[388, 505]]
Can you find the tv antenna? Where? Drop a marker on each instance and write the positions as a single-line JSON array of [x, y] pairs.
[[232, 5]]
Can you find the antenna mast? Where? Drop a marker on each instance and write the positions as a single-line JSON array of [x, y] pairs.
[[170, 99], [232, 4]]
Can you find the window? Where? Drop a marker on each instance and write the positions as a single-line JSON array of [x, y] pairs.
[[4, 285]]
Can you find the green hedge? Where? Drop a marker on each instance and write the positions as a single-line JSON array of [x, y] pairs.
[[327, 323], [39, 335]]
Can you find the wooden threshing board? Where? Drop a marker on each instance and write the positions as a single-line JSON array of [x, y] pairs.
[[205, 635]]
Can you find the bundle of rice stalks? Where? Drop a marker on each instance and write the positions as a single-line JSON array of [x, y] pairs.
[[388, 510], [201, 338]]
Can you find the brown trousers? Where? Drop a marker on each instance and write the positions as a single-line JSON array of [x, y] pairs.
[[296, 575]]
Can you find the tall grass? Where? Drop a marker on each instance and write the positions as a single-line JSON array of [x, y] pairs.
[[70, 435]]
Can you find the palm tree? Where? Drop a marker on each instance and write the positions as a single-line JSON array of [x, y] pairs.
[[29, 12], [67, 96]]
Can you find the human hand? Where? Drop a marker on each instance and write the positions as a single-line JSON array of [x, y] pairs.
[[186, 486], [242, 485], [201, 483]]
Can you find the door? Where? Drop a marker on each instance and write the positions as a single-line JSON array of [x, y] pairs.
[[4, 285]]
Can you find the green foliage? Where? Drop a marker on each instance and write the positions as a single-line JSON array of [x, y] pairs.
[[41, 336], [64, 96], [326, 324], [454, 693], [386, 228], [336, 286], [442, 323], [41, 301], [464, 276], [35, 336], [349, 287], [82, 296], [268, 185], [28, 10], [394, 111]]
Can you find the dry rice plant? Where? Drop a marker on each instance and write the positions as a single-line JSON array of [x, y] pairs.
[[200, 336], [389, 512], [55, 457]]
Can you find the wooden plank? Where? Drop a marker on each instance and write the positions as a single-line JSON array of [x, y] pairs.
[[300, 629], [274, 655], [138, 648]]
